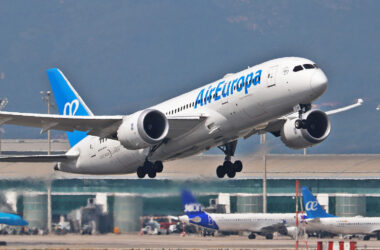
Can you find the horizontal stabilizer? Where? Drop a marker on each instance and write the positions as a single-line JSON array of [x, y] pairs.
[[36, 158]]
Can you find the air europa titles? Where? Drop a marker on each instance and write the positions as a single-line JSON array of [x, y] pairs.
[[224, 89]]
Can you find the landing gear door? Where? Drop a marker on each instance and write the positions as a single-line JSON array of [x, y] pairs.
[[271, 77]]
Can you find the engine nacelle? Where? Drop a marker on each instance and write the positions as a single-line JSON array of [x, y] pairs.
[[317, 129], [292, 232], [143, 129]]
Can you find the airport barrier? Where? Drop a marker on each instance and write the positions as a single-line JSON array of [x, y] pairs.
[[336, 245]]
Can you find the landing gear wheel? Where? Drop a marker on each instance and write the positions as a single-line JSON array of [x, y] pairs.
[[298, 124], [158, 166], [269, 236], [231, 173], [220, 171], [238, 166], [152, 173], [141, 172], [367, 237], [252, 236]]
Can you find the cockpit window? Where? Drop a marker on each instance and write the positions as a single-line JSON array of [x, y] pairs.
[[308, 66], [316, 66], [297, 68]]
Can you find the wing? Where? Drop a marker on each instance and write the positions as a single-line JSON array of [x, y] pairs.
[[95, 125], [279, 227], [36, 158], [180, 125], [102, 126]]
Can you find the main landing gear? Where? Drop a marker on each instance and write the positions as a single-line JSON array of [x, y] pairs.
[[301, 123], [150, 168], [228, 167], [252, 236]]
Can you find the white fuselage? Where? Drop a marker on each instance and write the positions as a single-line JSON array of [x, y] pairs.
[[345, 225], [253, 222], [229, 117]]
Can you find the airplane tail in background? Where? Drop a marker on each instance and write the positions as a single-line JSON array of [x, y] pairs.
[[312, 207], [12, 219], [194, 211], [68, 101], [191, 206]]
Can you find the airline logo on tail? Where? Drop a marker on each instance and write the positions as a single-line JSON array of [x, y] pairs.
[[71, 108], [312, 207], [194, 211], [191, 208]]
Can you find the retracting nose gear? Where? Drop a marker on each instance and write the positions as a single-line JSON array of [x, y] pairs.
[[302, 123], [228, 167]]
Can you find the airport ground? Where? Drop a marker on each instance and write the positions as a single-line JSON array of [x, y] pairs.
[[127, 241]]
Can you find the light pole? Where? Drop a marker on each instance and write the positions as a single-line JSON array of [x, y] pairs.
[[46, 97], [3, 103], [263, 142]]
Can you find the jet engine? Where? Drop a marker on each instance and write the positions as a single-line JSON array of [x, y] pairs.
[[292, 232], [315, 129], [143, 129]]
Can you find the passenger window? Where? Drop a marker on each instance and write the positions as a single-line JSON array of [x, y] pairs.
[[308, 66], [297, 68]]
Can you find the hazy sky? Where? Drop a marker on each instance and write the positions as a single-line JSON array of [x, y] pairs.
[[123, 56]]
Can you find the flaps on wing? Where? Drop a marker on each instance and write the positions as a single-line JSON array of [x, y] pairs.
[[37, 158], [180, 125], [103, 126]]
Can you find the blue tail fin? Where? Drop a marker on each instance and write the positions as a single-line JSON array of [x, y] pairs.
[[312, 207], [195, 213], [191, 206], [68, 101]]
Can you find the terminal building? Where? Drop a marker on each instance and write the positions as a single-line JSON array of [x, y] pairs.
[[347, 185]]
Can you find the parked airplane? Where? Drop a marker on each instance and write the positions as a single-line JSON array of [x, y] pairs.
[[12, 219], [257, 223], [319, 220], [263, 98]]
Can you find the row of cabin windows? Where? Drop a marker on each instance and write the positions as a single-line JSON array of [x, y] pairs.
[[204, 100], [187, 106], [306, 66]]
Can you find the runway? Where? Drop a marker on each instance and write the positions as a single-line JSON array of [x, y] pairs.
[[111, 241]]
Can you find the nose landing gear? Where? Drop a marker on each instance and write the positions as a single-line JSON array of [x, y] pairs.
[[302, 123], [228, 167]]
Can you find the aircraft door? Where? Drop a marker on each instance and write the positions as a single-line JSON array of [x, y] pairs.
[[271, 78]]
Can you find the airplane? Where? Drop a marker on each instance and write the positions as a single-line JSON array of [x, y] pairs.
[[274, 97], [318, 220], [12, 219], [257, 223]]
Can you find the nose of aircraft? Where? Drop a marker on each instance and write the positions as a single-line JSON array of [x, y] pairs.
[[319, 82]]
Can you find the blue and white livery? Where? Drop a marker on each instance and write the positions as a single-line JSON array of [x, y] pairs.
[[274, 97], [12, 219], [264, 224], [319, 220], [312, 208]]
